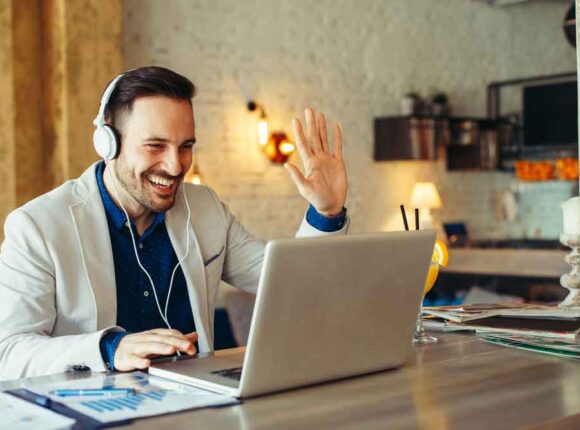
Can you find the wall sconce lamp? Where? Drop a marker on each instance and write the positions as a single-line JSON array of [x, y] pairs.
[[275, 145]]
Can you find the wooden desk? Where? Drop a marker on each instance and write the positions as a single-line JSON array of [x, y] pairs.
[[459, 383]]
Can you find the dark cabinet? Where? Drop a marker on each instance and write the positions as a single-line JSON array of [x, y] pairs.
[[466, 143], [405, 138]]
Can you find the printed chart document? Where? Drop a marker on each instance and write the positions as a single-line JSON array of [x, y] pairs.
[[153, 396], [18, 414]]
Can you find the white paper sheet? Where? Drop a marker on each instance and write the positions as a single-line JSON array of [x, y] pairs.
[[18, 414], [154, 396]]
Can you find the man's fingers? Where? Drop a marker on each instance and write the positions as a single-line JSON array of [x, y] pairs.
[[312, 131], [296, 176], [165, 331], [303, 148], [321, 120], [193, 336], [148, 348], [140, 362], [182, 343], [337, 146]]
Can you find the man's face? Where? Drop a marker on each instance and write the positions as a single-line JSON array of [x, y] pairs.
[[156, 151]]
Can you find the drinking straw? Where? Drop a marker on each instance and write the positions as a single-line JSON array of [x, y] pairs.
[[404, 217], [416, 219]]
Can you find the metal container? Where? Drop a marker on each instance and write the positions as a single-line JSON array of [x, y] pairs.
[[464, 131]]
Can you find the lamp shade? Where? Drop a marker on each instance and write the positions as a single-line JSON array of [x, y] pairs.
[[425, 195]]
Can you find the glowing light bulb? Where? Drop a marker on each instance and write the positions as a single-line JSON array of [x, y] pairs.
[[195, 179], [287, 148], [263, 135]]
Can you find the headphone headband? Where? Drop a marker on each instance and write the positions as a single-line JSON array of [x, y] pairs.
[[100, 118]]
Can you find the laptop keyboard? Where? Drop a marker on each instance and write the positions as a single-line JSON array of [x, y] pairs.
[[233, 373]]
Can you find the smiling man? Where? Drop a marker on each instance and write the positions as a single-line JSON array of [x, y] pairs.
[[123, 263]]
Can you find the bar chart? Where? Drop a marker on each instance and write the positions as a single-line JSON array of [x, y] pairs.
[[132, 403]]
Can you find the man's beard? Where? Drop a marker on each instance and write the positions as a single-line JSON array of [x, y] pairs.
[[137, 188]]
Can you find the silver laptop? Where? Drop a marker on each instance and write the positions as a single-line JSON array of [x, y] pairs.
[[327, 308]]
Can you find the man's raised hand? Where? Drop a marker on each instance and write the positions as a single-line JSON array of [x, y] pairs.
[[324, 182]]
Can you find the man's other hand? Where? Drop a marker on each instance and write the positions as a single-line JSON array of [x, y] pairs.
[[135, 350]]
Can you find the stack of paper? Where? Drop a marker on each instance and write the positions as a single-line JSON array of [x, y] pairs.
[[537, 344], [519, 319]]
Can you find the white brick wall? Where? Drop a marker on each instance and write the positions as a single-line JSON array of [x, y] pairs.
[[354, 60]]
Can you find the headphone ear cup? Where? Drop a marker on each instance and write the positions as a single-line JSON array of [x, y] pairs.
[[106, 142]]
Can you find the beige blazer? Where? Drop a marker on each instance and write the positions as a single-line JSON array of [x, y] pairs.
[[57, 279]]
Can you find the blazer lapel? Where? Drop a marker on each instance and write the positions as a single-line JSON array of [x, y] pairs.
[[92, 231], [192, 267]]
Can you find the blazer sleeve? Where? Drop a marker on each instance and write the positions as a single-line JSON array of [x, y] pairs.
[[28, 309], [245, 254]]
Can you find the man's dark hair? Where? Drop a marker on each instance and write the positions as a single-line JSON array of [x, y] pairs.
[[144, 82]]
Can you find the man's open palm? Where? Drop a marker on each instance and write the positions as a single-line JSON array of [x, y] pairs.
[[324, 183]]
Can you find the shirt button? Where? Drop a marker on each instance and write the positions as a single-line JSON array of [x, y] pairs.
[[146, 293], [140, 246], [127, 224]]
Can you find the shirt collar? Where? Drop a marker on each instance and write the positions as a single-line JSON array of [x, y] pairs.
[[115, 213]]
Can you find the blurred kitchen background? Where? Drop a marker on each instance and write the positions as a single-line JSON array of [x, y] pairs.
[[356, 61]]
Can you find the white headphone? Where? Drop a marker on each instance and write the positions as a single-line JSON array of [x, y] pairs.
[[105, 138], [107, 145]]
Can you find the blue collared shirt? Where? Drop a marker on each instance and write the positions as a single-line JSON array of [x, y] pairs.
[[136, 306]]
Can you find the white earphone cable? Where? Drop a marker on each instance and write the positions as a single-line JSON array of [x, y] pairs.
[[186, 248], [163, 315]]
